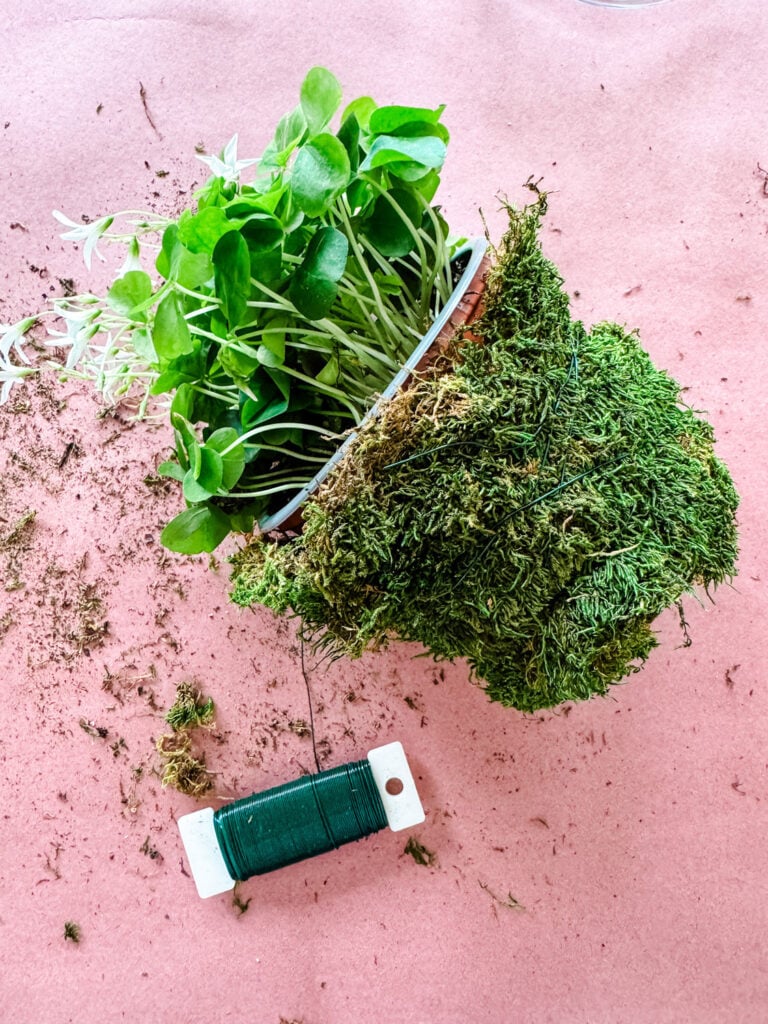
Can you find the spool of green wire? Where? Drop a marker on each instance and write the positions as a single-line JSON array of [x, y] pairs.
[[310, 815]]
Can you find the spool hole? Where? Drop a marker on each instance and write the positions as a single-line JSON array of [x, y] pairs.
[[394, 786]]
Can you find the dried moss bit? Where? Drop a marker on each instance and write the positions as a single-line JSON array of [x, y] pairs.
[[150, 851], [92, 627], [97, 731], [16, 543], [426, 858], [189, 710], [71, 931], [181, 769], [20, 528], [532, 508], [240, 905], [508, 901]]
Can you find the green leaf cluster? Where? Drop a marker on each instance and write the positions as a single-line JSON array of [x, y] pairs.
[[286, 304], [533, 509]]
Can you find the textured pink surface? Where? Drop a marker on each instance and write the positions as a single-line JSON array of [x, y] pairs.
[[631, 830]]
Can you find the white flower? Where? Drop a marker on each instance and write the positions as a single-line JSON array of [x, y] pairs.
[[80, 329], [88, 233], [227, 166], [132, 259], [11, 374], [12, 338]]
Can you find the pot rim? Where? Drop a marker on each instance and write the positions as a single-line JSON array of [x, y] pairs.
[[477, 250]]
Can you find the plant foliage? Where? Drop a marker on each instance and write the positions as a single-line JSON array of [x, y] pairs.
[[283, 305], [532, 506]]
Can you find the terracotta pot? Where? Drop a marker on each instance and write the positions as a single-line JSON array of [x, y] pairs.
[[463, 306]]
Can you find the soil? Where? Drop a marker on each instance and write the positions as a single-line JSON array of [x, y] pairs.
[[98, 627]]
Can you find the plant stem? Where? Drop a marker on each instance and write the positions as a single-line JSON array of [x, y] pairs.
[[287, 451], [325, 389], [282, 425], [270, 490], [363, 264]]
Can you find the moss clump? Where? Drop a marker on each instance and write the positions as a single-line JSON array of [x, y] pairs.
[[181, 769], [532, 505], [189, 710]]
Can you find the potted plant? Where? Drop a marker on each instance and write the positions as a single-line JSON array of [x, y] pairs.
[[531, 502]]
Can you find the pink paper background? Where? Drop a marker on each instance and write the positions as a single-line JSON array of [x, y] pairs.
[[632, 830]]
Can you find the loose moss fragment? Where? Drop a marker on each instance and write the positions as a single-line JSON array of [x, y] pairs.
[[508, 901], [150, 851], [240, 905], [91, 627], [97, 731], [189, 710], [181, 769], [426, 858], [532, 505], [20, 529], [71, 932]]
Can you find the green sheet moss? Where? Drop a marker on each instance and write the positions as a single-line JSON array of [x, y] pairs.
[[531, 505]]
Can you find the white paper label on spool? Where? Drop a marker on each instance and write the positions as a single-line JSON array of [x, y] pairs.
[[394, 782], [202, 847]]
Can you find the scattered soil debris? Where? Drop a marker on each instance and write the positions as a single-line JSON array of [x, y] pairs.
[[70, 449], [99, 732], [49, 861], [150, 851], [130, 800], [118, 746], [91, 627], [730, 682], [143, 95], [426, 858], [509, 902], [121, 684], [19, 531], [158, 484]]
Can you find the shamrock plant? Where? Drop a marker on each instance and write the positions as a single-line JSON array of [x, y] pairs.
[[278, 308]]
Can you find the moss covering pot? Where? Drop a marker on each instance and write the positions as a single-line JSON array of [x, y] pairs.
[[532, 503]]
